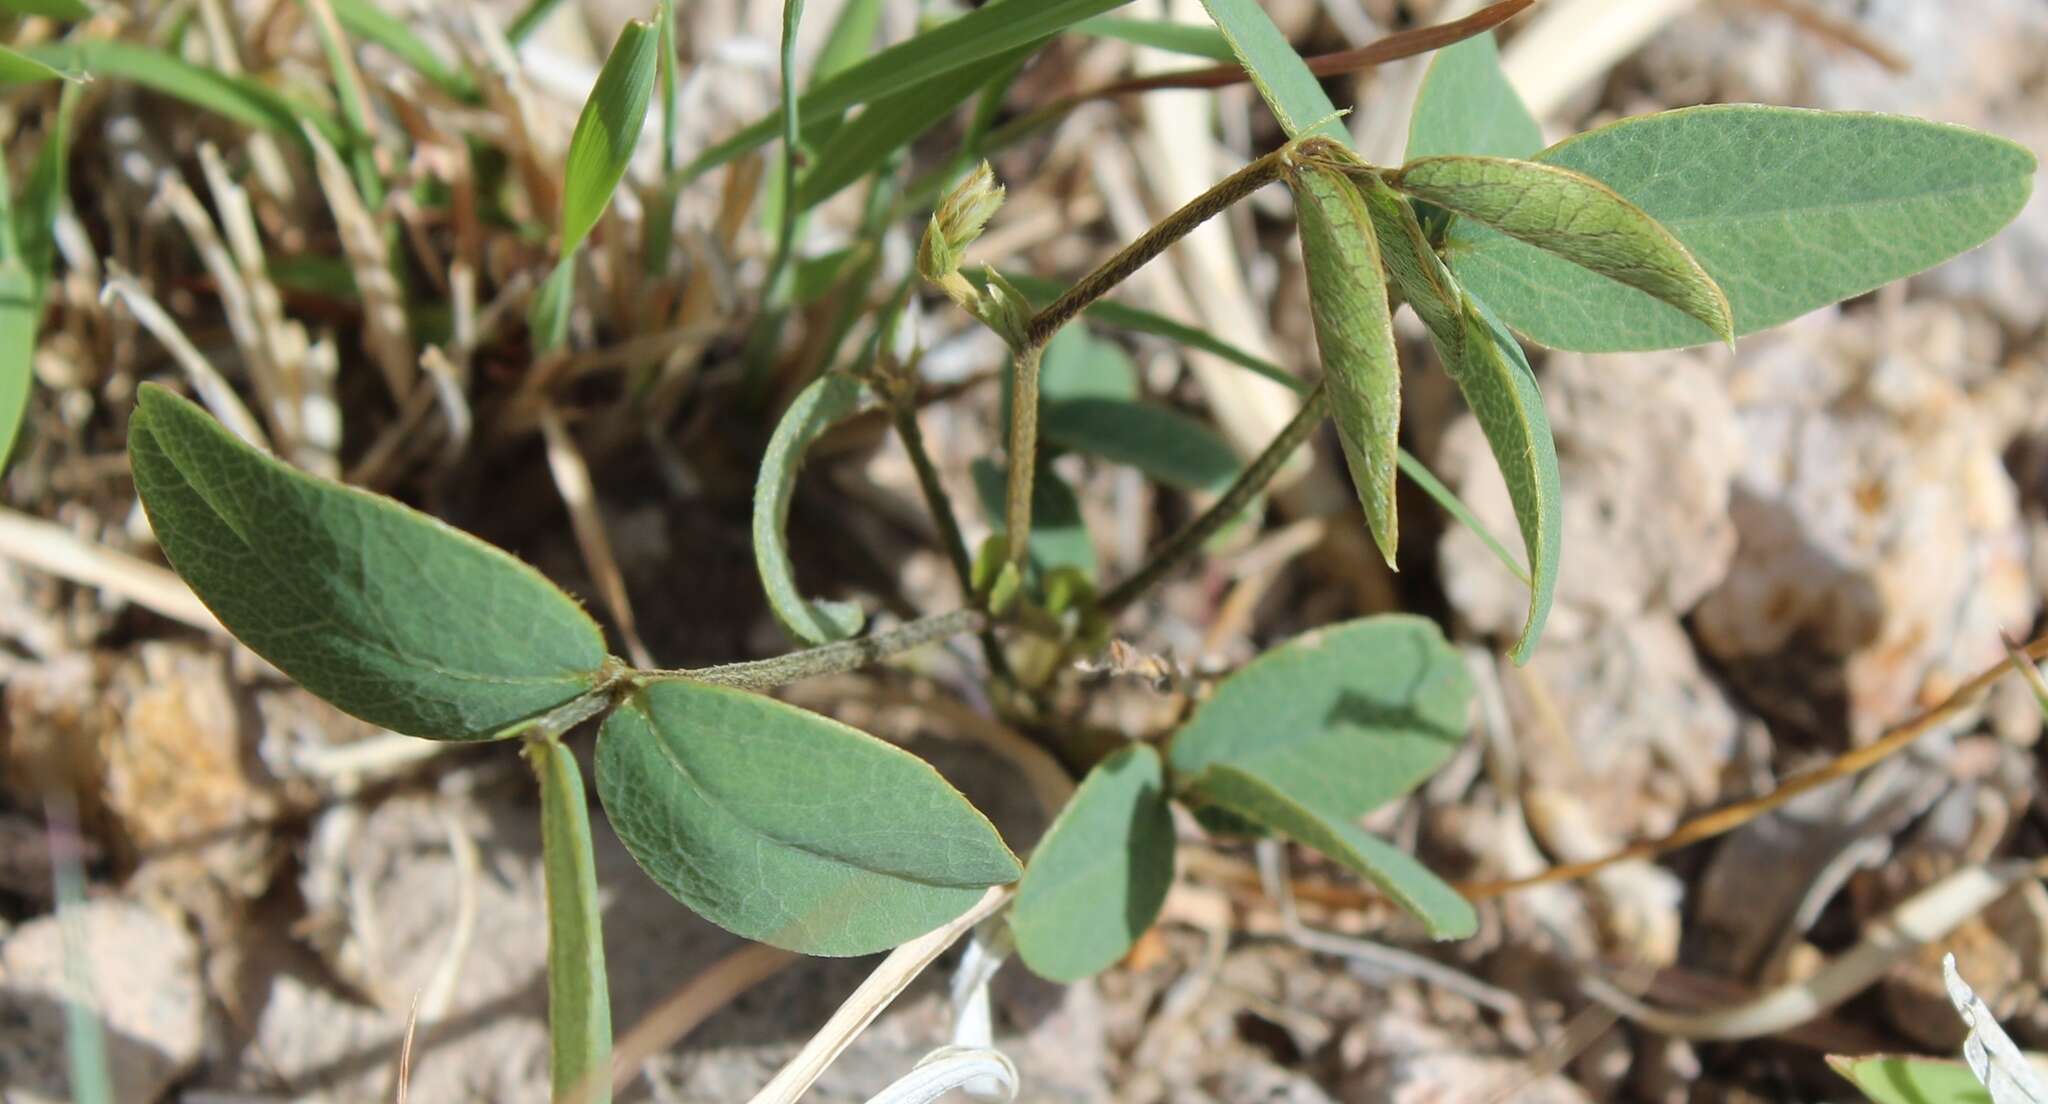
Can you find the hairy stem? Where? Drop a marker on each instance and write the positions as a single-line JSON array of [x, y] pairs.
[[830, 659], [1178, 225], [1023, 444], [1245, 488], [1023, 451], [904, 413]]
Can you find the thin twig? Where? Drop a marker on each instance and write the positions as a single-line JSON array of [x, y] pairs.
[[829, 659], [1726, 819], [1247, 486]]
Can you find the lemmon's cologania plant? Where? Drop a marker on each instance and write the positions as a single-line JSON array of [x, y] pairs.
[[1674, 229]]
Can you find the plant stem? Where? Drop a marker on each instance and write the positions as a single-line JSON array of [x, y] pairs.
[[1023, 451], [903, 410], [904, 414], [830, 659], [1153, 242], [1246, 487], [1023, 443]]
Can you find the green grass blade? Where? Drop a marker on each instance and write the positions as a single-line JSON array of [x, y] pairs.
[[1787, 210], [860, 146], [792, 134], [1573, 216], [19, 68], [579, 1001], [235, 98], [1160, 34], [827, 400], [20, 312], [35, 216], [609, 127], [1443, 496], [1347, 296], [1282, 78], [529, 20], [1466, 105], [353, 100], [987, 31], [67, 10], [1908, 1079], [365, 20]]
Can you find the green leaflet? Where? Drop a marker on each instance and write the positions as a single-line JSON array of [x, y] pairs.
[[608, 129], [1079, 365], [235, 98], [579, 1005], [1493, 374], [1163, 443], [1282, 78], [71, 10], [385, 612], [1160, 34], [967, 41], [1123, 317], [1347, 296], [1443, 913], [1466, 105], [365, 20], [1059, 536], [20, 311], [824, 401], [1787, 210], [1344, 718], [1097, 879], [1904, 1079], [862, 144], [1575, 217], [787, 827]]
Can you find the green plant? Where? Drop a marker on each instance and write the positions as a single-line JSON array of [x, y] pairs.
[[1667, 230]]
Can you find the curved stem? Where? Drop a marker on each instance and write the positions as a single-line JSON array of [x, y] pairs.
[[829, 659], [1247, 486], [1153, 242]]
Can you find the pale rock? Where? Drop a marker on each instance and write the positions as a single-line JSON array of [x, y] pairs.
[[143, 971], [1408, 1062], [1882, 552], [1647, 450]]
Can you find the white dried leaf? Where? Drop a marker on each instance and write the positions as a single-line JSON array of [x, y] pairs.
[[1989, 1052]]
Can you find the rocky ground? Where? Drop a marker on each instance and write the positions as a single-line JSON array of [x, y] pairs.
[[1773, 555]]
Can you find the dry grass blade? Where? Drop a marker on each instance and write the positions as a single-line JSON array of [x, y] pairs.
[[387, 336], [1734, 816], [207, 382], [1925, 917], [572, 479], [882, 986], [1837, 31], [696, 1001], [47, 546]]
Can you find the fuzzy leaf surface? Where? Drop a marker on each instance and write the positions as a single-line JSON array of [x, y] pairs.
[[387, 613], [787, 827], [821, 404], [579, 1002], [1571, 215], [1097, 879], [1788, 210], [1347, 298], [1466, 105]]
